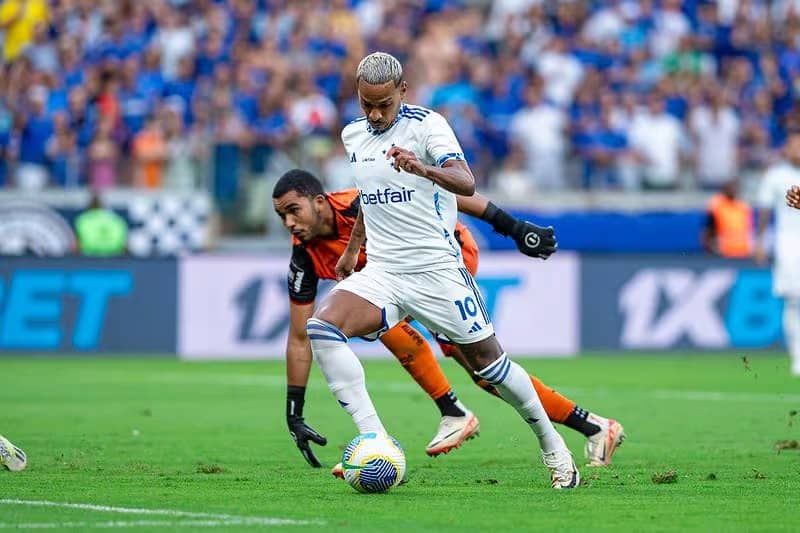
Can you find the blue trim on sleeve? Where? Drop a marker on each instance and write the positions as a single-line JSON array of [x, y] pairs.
[[454, 156]]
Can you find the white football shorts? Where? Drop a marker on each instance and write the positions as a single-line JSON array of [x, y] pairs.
[[446, 301], [786, 275]]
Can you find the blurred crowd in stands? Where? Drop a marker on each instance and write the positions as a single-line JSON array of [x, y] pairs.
[[543, 94]]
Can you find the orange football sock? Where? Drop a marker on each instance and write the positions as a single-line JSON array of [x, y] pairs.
[[416, 356], [557, 407]]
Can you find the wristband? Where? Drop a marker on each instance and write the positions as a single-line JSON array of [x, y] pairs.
[[501, 222], [295, 398]]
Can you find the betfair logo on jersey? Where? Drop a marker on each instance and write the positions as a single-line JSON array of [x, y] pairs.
[[386, 196]]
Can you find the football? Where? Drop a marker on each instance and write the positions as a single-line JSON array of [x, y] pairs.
[[373, 462]]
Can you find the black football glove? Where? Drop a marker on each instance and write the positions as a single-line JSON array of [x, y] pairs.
[[302, 433], [533, 240]]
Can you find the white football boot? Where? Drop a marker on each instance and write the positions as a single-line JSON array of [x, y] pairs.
[[12, 457], [602, 445], [563, 470], [338, 471], [453, 432]]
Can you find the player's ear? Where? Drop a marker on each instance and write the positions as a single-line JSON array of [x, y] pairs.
[[403, 89]]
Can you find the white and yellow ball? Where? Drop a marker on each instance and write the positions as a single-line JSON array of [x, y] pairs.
[[373, 462]]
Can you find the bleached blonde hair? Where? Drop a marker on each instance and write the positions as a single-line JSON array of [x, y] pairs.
[[379, 68]]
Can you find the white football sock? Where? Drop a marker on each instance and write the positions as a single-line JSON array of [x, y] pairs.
[[514, 385], [791, 331], [344, 374]]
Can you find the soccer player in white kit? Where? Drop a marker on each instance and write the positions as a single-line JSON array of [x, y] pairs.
[[772, 195], [408, 167]]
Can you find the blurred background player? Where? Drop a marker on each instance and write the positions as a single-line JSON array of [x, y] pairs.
[[12, 457], [786, 271], [320, 224]]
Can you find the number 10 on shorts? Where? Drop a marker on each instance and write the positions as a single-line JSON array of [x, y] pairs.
[[466, 308]]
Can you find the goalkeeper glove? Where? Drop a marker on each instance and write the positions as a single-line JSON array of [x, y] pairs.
[[302, 433], [532, 240]]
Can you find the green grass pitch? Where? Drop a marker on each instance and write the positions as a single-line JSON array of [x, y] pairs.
[[175, 445]]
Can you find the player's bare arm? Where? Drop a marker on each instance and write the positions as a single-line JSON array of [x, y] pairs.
[[298, 350], [793, 196], [349, 259], [531, 240], [454, 176], [298, 365], [474, 206]]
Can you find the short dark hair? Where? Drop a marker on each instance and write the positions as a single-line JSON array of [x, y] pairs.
[[300, 181]]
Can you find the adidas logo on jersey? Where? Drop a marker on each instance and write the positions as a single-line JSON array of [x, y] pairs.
[[475, 328], [386, 196], [369, 159]]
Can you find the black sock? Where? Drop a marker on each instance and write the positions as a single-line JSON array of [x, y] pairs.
[[577, 420], [447, 405]]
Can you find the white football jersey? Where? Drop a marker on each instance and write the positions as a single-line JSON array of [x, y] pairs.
[[772, 195], [409, 220]]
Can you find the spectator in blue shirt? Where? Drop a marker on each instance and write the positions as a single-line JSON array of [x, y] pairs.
[[212, 53], [35, 130], [115, 45], [183, 86], [605, 149], [72, 71], [244, 95], [329, 76], [82, 119], [6, 124], [62, 153], [271, 130], [150, 79], [56, 96], [456, 90]]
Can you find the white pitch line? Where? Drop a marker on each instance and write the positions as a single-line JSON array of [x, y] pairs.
[[406, 386], [117, 523], [687, 395], [267, 382], [725, 396], [243, 520]]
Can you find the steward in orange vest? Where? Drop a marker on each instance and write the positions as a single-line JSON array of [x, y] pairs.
[[729, 225]]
